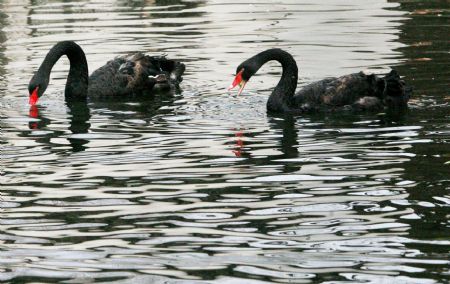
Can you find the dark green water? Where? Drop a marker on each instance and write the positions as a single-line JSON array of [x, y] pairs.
[[203, 187]]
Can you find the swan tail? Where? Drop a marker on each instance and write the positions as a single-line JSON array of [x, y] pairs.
[[173, 69], [395, 86], [396, 92]]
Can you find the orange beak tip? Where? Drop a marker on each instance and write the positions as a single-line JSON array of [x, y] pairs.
[[242, 85]]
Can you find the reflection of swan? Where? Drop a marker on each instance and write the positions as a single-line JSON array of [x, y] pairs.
[[245, 140], [122, 76], [33, 113], [358, 91], [79, 123], [79, 115]]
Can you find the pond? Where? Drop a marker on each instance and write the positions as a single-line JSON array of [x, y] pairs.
[[203, 186]]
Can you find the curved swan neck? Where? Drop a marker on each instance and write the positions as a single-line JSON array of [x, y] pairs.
[[281, 97], [77, 80]]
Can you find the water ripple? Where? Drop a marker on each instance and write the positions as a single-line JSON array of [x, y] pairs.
[[203, 186]]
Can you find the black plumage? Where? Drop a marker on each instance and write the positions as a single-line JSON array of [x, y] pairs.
[[132, 74], [356, 91]]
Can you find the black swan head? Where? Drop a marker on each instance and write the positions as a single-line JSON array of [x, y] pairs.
[[249, 67], [244, 72], [77, 80], [281, 98]]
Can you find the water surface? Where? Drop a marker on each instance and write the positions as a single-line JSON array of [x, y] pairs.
[[201, 186]]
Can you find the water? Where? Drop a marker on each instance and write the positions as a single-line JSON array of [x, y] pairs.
[[204, 187]]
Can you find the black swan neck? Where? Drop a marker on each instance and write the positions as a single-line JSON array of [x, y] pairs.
[[281, 97], [77, 80]]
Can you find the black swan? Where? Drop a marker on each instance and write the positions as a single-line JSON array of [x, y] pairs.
[[125, 75], [356, 91]]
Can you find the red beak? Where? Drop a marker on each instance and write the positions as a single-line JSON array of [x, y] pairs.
[[34, 97], [238, 81]]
